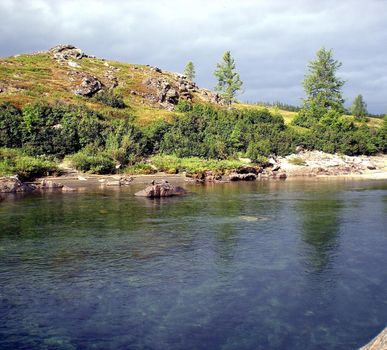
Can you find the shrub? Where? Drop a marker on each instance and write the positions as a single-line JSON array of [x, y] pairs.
[[10, 130], [140, 169], [297, 161], [94, 162], [16, 162], [109, 98]]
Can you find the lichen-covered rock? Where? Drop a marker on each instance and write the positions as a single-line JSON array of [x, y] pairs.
[[159, 190], [65, 52], [13, 185], [88, 87]]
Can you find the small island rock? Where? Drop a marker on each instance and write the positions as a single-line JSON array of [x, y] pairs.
[[159, 190]]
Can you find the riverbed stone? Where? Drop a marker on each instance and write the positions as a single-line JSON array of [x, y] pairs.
[[160, 190], [13, 185]]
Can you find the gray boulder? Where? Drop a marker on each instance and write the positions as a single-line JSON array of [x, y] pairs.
[[13, 185], [160, 190], [65, 52], [88, 87]]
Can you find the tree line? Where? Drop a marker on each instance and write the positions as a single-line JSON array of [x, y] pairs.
[[322, 87]]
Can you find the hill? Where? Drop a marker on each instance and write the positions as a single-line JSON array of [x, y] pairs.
[[65, 73], [103, 116]]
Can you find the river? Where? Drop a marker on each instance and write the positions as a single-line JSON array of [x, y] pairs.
[[296, 264]]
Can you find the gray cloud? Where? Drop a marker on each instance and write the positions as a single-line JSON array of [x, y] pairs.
[[272, 41]]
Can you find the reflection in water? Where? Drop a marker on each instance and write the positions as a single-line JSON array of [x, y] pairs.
[[320, 221], [222, 268]]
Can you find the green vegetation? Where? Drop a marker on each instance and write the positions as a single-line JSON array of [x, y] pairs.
[[189, 71], [297, 161], [109, 98], [229, 82], [173, 165], [16, 162], [140, 169], [120, 131], [359, 108], [322, 88]]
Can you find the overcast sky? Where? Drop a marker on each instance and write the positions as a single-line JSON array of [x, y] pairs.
[[271, 41]]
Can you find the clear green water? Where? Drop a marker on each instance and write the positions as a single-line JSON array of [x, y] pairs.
[[264, 265]]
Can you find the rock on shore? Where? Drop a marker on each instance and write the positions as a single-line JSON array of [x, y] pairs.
[[14, 185], [159, 190]]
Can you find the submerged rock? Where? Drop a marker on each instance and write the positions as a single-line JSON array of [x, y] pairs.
[[163, 189]]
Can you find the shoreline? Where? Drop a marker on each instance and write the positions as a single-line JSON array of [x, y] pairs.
[[92, 180]]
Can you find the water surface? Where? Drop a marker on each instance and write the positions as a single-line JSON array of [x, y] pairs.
[[263, 265]]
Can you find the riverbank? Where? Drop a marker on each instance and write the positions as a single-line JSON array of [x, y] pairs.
[[304, 164]]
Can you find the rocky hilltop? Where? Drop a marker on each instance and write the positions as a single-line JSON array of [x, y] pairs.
[[66, 72]]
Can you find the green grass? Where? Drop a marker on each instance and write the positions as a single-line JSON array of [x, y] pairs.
[[140, 169], [173, 165], [297, 161], [16, 162]]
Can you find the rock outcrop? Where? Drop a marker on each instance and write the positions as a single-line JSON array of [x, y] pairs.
[[14, 185], [314, 163], [168, 92], [66, 52], [49, 185], [88, 86], [160, 190], [378, 343]]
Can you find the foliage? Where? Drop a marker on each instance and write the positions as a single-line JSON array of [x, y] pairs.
[[109, 98], [209, 132], [359, 108], [173, 165], [189, 71], [16, 162], [280, 105], [297, 161], [123, 142], [322, 88], [94, 161], [10, 121], [229, 82], [140, 169], [184, 106]]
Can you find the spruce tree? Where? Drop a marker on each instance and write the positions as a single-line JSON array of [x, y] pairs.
[[359, 108], [322, 88], [229, 82], [189, 71]]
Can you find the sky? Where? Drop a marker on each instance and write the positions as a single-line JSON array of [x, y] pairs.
[[272, 41]]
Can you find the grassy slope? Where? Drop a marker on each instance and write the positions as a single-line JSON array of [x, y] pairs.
[[28, 78]]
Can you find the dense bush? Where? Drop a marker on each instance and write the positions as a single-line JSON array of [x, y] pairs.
[[173, 164], [219, 134], [109, 98], [93, 161], [15, 161], [100, 145], [10, 126]]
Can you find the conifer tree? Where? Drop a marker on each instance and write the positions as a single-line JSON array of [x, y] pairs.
[[189, 71], [229, 82], [322, 88], [359, 107]]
